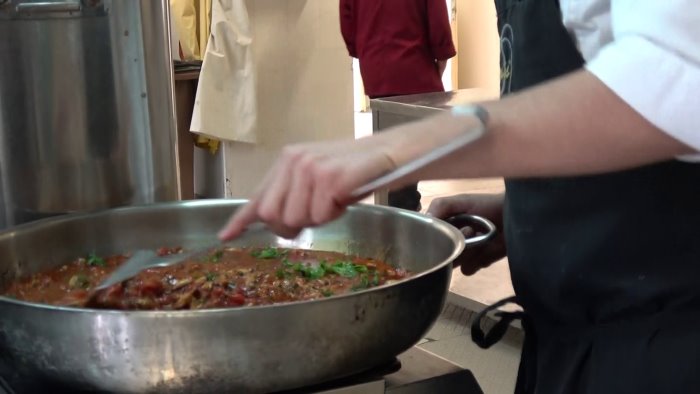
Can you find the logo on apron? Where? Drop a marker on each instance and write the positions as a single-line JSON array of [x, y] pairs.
[[506, 58]]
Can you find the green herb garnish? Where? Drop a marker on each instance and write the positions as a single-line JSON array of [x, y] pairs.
[[313, 272], [361, 268], [268, 253], [375, 280], [326, 293], [344, 268], [283, 273], [307, 271], [216, 257], [210, 276], [364, 283], [93, 260]]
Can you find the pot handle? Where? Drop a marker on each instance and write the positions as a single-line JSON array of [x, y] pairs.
[[479, 223]]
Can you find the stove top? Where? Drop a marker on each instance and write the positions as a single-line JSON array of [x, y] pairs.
[[414, 372]]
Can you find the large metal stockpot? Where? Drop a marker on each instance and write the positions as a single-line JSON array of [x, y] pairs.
[[87, 114], [250, 349]]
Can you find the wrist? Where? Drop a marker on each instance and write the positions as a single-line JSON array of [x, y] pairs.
[[407, 143]]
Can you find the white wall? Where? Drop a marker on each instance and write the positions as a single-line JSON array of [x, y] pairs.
[[478, 45]]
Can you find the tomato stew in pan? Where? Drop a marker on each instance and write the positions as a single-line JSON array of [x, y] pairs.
[[223, 278]]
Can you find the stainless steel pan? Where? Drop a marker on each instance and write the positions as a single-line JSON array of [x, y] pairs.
[[256, 349]]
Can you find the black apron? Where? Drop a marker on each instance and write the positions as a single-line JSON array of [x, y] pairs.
[[606, 267]]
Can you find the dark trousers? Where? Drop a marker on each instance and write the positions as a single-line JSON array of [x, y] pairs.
[[406, 198]]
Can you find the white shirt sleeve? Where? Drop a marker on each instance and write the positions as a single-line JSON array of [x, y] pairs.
[[653, 63]]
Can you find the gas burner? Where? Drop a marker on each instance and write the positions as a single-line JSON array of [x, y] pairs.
[[414, 372]]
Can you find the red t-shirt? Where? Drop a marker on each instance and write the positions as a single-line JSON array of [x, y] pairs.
[[397, 43]]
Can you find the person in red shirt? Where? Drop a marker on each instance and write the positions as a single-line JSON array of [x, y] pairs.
[[403, 47]]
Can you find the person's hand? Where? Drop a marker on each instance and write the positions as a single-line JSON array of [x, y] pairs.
[[309, 185], [312, 184], [489, 206]]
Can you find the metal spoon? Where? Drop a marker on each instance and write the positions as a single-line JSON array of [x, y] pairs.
[[145, 259], [141, 260], [431, 156]]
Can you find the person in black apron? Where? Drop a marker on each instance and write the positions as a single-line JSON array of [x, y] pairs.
[[606, 267]]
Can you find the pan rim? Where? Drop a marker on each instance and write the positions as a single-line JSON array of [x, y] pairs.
[[450, 231]]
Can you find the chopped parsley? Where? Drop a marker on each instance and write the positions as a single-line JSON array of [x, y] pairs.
[[345, 268], [364, 283], [94, 260], [307, 271], [313, 272], [375, 280], [282, 273], [361, 268], [326, 293], [268, 253], [216, 256], [210, 276]]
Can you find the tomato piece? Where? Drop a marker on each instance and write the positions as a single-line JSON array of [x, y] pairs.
[[115, 291], [79, 294], [237, 299], [150, 286], [217, 292]]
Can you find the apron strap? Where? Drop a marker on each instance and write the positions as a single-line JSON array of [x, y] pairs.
[[496, 333], [527, 370]]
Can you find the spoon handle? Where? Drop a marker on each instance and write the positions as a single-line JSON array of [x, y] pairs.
[[463, 140]]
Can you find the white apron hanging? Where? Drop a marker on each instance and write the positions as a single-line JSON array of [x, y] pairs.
[[225, 106]]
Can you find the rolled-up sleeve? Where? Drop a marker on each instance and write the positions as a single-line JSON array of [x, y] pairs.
[[653, 63], [439, 31], [347, 25]]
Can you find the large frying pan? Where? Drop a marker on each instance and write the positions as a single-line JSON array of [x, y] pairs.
[[250, 349]]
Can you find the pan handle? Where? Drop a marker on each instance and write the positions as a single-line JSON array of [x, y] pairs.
[[479, 223]]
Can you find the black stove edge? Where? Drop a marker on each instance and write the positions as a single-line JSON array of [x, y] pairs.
[[366, 376]]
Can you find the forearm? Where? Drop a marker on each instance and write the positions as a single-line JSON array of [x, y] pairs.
[[571, 126]]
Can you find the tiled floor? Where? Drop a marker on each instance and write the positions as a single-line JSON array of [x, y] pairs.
[[495, 369]]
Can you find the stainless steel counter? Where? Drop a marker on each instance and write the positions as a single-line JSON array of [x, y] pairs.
[[426, 104], [392, 111]]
